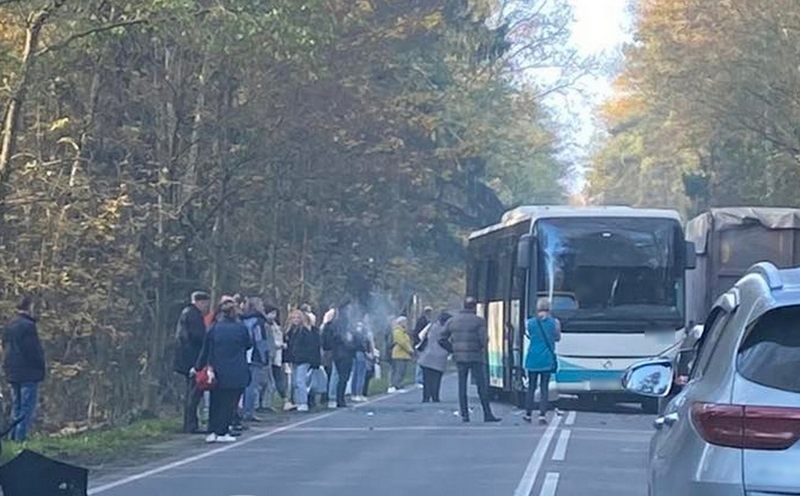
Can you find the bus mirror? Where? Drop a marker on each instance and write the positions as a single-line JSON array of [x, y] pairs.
[[524, 251], [691, 256]]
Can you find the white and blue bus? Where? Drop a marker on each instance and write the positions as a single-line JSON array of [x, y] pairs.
[[616, 279]]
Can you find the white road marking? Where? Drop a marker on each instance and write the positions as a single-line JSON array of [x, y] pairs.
[[571, 418], [550, 484], [405, 428], [223, 449], [537, 458], [560, 453]]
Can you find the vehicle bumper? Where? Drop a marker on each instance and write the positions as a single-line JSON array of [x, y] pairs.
[[578, 381]]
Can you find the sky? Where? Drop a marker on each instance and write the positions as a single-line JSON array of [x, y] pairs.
[[601, 28]]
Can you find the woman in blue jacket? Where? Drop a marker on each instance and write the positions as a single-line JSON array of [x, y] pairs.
[[225, 354], [544, 331]]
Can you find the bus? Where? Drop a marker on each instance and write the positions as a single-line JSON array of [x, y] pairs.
[[616, 279]]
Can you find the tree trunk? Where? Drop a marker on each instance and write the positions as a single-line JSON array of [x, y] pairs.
[[13, 109]]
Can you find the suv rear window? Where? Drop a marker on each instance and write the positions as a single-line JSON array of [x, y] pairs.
[[770, 354]]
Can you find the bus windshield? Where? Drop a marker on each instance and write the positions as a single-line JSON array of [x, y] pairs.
[[612, 269]]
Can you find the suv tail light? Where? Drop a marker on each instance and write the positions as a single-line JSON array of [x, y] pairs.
[[747, 427]]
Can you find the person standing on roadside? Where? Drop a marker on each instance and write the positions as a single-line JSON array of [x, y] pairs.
[[466, 335], [402, 353], [433, 358], [359, 363], [305, 350], [225, 354], [343, 344], [373, 358], [423, 322], [275, 381], [257, 357], [190, 333], [544, 331], [327, 358], [24, 366]]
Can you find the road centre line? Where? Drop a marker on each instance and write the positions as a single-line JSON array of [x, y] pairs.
[[571, 418], [207, 454], [560, 453], [537, 458], [550, 485]]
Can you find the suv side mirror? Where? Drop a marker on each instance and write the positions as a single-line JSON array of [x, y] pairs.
[[652, 378], [524, 251], [691, 255]]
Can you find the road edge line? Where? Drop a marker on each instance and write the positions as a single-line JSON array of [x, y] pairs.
[[207, 454]]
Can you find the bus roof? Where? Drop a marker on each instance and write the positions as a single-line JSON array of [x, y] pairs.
[[534, 212]]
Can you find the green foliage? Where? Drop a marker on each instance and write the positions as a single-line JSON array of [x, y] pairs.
[[99, 446], [708, 91], [306, 151]]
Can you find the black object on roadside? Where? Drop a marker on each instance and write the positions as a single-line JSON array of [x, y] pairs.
[[32, 474]]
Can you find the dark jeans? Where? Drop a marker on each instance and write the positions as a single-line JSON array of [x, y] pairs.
[[344, 367], [478, 371], [191, 401], [543, 381], [367, 379], [431, 384], [24, 411], [224, 403], [329, 373], [280, 380]]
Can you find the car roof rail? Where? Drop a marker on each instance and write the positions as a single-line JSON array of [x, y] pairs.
[[770, 273]]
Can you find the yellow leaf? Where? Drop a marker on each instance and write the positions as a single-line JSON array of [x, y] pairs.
[[59, 124]]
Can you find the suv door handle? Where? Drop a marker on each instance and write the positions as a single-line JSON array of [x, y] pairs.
[[667, 420]]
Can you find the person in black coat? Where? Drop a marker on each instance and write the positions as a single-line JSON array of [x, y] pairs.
[[306, 354], [225, 353], [342, 342], [190, 333], [24, 366]]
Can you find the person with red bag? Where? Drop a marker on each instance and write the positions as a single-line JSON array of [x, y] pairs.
[[190, 334], [222, 365]]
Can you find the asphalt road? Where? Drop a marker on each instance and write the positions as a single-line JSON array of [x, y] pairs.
[[396, 446]]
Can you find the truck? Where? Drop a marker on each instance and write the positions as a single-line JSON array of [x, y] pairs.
[[728, 241]]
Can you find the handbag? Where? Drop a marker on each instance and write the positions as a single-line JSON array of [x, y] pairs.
[[203, 381], [549, 347], [318, 380], [423, 342]]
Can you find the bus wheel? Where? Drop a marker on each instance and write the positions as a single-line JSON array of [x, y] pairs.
[[650, 406]]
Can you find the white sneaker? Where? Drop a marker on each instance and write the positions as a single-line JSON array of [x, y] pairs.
[[302, 408], [332, 405], [288, 407], [420, 386], [211, 438], [226, 439], [359, 399], [392, 390]]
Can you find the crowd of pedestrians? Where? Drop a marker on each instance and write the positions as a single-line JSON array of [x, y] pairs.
[[241, 360], [244, 359], [247, 359]]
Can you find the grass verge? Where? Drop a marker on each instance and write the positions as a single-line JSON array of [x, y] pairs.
[[98, 446]]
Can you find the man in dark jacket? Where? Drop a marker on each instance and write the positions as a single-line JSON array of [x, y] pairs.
[[340, 340], [190, 334], [465, 334], [24, 366]]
